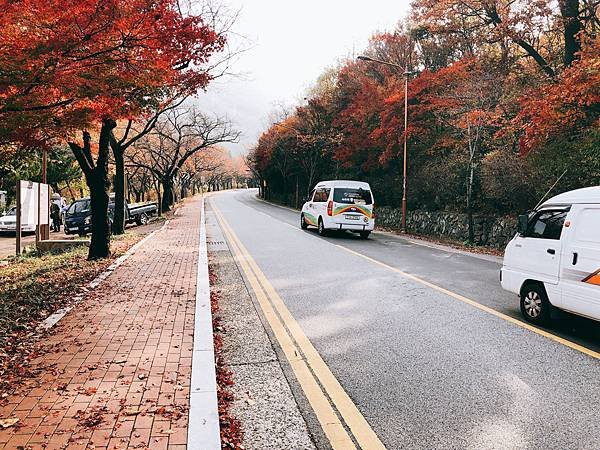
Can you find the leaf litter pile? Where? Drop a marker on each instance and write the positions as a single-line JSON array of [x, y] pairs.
[[32, 288], [231, 431]]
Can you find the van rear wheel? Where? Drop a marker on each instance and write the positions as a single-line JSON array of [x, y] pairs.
[[365, 234], [535, 306], [321, 228]]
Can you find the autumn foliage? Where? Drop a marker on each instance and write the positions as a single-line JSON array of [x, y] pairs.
[[72, 68], [570, 105], [503, 96], [67, 64]]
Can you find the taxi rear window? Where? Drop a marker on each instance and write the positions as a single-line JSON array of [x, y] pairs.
[[351, 196]]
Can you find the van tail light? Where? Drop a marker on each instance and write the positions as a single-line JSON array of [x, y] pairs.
[[373, 211], [330, 208]]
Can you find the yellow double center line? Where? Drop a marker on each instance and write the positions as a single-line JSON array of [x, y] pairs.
[[320, 386]]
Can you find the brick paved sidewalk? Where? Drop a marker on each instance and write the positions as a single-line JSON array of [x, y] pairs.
[[117, 369]]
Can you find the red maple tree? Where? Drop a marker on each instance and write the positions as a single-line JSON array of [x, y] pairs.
[[68, 65]]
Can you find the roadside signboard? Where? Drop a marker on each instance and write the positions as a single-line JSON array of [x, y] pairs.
[[33, 214]]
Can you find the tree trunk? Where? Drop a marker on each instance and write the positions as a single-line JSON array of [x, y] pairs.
[[118, 226], [96, 177], [100, 244], [470, 178], [158, 196], [167, 196], [569, 10]]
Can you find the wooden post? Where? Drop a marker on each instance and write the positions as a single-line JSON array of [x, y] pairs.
[[46, 227], [38, 225], [44, 230], [44, 166], [18, 224]]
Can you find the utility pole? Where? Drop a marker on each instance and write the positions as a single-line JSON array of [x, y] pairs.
[[404, 177], [406, 74]]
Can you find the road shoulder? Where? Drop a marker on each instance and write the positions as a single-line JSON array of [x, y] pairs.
[[264, 402]]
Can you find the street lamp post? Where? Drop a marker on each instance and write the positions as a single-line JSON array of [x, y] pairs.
[[406, 74]]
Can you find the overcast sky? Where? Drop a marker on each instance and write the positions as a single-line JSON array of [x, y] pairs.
[[291, 44]]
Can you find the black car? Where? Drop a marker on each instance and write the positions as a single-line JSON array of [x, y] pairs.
[[78, 218]]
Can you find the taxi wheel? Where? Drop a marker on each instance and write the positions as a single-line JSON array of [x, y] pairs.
[[322, 230], [303, 223], [365, 234]]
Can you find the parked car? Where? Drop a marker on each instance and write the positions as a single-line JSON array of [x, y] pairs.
[[8, 223], [78, 218], [340, 205], [554, 259]]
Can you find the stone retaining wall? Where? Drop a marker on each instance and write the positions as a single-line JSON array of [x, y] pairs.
[[489, 230]]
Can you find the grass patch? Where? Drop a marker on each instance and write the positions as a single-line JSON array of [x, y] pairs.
[[33, 287]]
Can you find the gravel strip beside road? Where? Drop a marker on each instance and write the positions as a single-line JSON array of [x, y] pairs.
[[264, 402]]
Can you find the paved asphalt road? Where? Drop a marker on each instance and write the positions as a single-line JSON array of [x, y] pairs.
[[424, 369], [8, 241]]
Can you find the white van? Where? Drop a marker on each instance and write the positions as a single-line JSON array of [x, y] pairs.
[[554, 260], [340, 205]]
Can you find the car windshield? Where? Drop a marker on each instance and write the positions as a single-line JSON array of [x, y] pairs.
[[79, 206], [351, 196], [12, 211]]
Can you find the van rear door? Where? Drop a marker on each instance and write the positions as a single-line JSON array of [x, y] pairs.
[[580, 275], [352, 205]]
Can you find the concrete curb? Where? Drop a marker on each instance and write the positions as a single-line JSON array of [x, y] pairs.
[[203, 429], [54, 318]]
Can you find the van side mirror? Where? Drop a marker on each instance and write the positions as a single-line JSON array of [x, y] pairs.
[[522, 224]]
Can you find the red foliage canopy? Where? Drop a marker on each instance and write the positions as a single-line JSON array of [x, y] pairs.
[[67, 63], [563, 108]]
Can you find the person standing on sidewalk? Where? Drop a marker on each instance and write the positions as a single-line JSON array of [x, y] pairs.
[[55, 216]]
